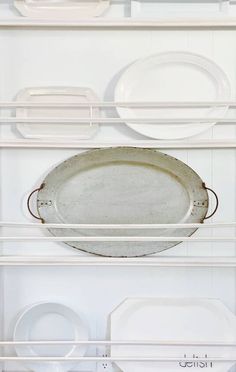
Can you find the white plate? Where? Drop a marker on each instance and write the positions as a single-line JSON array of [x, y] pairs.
[[54, 322], [61, 9], [172, 320], [57, 95], [172, 76]]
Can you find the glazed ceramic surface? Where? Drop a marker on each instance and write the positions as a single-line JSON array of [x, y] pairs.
[[54, 321], [173, 77], [66, 9], [173, 320], [57, 95]]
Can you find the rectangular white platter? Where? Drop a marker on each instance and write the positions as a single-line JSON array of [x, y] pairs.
[[145, 8]]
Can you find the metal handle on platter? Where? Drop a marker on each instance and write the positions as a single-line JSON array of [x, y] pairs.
[[28, 202], [217, 202]]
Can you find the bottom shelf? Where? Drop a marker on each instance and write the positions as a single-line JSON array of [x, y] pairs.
[[168, 261]]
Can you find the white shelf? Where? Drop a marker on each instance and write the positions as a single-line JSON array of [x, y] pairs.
[[84, 144], [91, 261], [29, 256], [123, 23], [45, 239], [113, 104], [117, 226], [111, 359], [114, 120], [109, 342]]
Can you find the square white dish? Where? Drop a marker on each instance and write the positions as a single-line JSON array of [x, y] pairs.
[[56, 95]]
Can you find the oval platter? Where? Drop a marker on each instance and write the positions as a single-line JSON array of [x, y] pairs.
[[122, 186], [173, 77]]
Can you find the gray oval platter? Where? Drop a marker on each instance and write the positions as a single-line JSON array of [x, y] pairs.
[[122, 186]]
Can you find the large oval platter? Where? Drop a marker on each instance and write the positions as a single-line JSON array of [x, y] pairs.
[[122, 186], [173, 77]]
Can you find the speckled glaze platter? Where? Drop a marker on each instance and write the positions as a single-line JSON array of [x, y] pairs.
[[122, 186]]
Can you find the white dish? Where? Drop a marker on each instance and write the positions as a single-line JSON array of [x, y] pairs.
[[172, 76], [172, 320], [61, 9], [53, 322], [57, 95], [163, 8]]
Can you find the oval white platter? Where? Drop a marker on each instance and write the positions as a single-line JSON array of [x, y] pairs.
[[50, 321], [73, 9], [122, 186], [173, 320], [172, 77], [57, 95]]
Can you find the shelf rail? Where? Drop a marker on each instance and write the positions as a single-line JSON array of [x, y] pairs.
[[112, 119], [115, 359], [91, 261], [95, 120], [109, 118], [117, 239], [222, 22], [85, 144], [91, 118], [109, 358], [113, 104], [23, 225], [118, 343]]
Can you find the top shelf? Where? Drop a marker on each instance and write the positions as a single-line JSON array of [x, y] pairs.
[[130, 14]]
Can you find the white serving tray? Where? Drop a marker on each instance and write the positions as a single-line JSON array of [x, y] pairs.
[[72, 9], [173, 76], [177, 320], [57, 95], [145, 8]]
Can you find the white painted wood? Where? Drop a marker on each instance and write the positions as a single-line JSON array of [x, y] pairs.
[[42, 53]]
